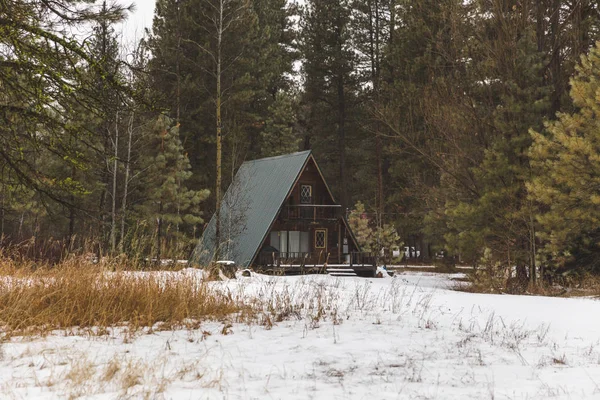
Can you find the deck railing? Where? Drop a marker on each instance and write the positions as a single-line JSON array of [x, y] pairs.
[[315, 259], [311, 211]]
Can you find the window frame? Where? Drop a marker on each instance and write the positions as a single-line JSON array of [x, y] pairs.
[[324, 232], [310, 189]]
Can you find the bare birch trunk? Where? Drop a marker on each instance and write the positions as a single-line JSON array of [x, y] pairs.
[[341, 103], [159, 233], [113, 221], [342, 141], [126, 183], [2, 211], [532, 249], [71, 217], [219, 137], [3, 194]]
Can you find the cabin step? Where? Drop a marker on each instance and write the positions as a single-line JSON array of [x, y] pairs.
[[341, 271], [334, 273]]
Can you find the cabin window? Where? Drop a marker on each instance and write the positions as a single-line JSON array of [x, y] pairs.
[[320, 238], [305, 194], [274, 240], [304, 242], [290, 241]]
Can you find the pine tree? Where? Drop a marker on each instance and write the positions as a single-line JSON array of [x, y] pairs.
[[257, 59], [565, 157], [330, 86], [279, 135], [360, 227], [373, 25], [167, 201], [104, 124], [218, 66], [499, 216], [44, 69], [381, 239], [470, 94], [424, 84]]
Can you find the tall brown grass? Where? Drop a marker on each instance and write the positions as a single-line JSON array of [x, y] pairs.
[[39, 298]]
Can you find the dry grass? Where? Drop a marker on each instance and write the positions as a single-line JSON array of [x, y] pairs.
[[81, 372], [111, 370], [79, 295], [132, 376], [575, 285], [584, 284], [36, 299]]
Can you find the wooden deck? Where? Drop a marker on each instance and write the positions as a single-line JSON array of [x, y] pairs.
[[366, 271], [361, 264]]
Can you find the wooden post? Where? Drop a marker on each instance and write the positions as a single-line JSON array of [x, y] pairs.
[[339, 242]]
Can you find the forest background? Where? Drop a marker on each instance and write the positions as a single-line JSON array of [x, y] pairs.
[[468, 126]]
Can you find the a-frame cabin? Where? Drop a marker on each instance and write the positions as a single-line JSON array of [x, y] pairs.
[[279, 214]]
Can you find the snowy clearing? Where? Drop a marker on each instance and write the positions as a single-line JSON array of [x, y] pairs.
[[407, 337]]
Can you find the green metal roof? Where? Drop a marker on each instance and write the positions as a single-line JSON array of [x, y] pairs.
[[249, 208]]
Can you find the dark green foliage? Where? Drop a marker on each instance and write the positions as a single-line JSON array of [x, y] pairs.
[[330, 88], [44, 69], [279, 136], [166, 205], [565, 157], [466, 82], [420, 109], [256, 60]]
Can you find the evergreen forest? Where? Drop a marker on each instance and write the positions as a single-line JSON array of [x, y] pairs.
[[468, 127]]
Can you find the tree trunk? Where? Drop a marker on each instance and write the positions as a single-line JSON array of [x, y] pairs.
[[2, 210], [533, 249], [342, 141], [178, 67], [555, 57], [374, 56], [71, 220], [113, 214], [540, 26], [159, 233], [106, 169], [2, 217], [391, 36], [21, 220], [126, 184], [102, 202], [219, 133]]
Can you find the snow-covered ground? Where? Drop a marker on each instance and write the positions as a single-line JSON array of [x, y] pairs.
[[407, 337]]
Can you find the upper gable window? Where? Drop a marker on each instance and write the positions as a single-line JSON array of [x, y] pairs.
[[306, 194]]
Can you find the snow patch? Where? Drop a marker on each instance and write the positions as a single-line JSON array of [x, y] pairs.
[[352, 338]]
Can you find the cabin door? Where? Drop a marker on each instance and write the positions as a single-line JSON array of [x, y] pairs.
[[320, 242]]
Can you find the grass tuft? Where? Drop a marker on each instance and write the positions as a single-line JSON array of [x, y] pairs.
[[37, 300]]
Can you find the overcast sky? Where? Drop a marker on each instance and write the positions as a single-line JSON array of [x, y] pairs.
[[133, 27]]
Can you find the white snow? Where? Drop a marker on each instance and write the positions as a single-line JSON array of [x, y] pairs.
[[407, 337]]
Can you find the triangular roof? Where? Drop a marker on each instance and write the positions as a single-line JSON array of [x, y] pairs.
[[250, 206]]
